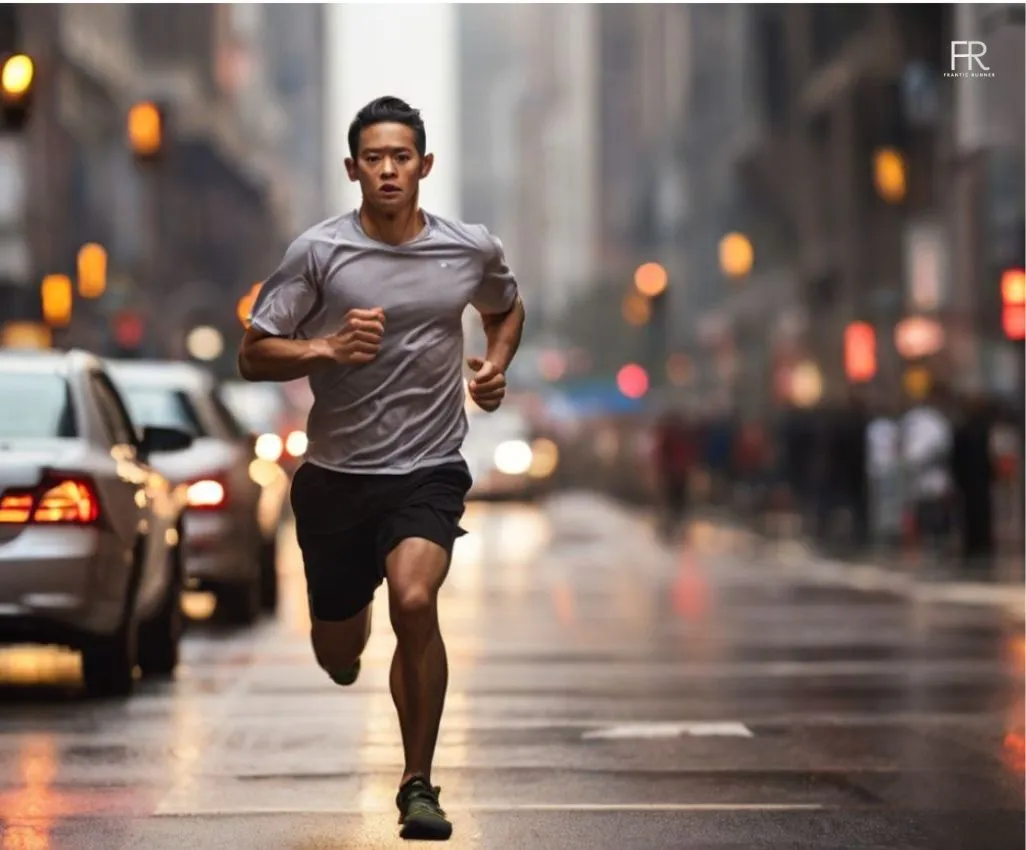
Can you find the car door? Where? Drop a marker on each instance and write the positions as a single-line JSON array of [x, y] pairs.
[[133, 503]]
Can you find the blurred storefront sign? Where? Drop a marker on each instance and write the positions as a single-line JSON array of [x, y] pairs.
[[926, 264], [12, 182], [918, 336], [14, 260], [14, 250]]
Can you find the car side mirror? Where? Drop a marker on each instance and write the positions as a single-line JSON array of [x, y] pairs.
[[156, 439]]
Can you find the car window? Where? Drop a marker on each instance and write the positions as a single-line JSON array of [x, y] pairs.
[[257, 407], [116, 419], [164, 407], [231, 425], [36, 405]]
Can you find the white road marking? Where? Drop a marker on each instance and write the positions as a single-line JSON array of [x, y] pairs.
[[627, 731], [497, 808]]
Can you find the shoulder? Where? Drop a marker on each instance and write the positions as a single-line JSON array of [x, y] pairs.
[[315, 242], [324, 232], [476, 238]]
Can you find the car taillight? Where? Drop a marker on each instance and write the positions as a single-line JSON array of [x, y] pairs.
[[58, 500], [206, 494]]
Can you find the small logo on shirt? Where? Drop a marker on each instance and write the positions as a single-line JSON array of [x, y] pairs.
[[444, 264]]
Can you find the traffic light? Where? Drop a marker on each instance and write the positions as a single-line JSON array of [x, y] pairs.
[[736, 255], [632, 380], [56, 296], [651, 279], [146, 130], [17, 88], [890, 175], [92, 270], [1013, 304], [860, 352]]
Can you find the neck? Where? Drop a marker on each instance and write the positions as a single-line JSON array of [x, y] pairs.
[[392, 228]]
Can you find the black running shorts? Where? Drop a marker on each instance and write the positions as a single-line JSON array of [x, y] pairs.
[[348, 523]]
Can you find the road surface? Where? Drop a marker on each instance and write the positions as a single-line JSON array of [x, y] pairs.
[[606, 692]]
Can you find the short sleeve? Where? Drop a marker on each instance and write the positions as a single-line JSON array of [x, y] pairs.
[[497, 291], [289, 295]]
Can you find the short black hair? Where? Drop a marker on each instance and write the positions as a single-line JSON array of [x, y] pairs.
[[392, 110]]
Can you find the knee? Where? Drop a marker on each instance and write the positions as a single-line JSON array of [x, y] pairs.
[[413, 611]]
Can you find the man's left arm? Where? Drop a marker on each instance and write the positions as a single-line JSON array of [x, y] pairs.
[[498, 301], [503, 332]]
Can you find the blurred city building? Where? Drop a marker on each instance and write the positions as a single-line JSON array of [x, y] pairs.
[[529, 97], [832, 199], [879, 189], [167, 135]]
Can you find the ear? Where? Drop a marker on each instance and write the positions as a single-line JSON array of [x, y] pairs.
[[426, 164], [351, 169]]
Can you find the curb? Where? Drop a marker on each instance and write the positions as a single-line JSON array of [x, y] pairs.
[[798, 559]]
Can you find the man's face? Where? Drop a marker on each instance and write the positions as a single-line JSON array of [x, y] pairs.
[[388, 166]]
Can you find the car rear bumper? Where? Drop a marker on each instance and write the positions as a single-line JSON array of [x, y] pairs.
[[58, 582]]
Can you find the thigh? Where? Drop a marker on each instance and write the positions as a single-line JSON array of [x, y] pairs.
[[343, 571], [428, 509], [338, 539]]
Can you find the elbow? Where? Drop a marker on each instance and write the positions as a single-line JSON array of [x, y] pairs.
[[247, 370]]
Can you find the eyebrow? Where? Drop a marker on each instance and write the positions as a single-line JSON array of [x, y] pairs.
[[392, 149]]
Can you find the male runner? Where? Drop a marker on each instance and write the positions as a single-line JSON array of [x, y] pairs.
[[369, 304]]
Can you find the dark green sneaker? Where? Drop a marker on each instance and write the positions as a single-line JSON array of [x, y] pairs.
[[346, 677], [419, 813]]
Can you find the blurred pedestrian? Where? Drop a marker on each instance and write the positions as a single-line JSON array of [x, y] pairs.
[[974, 478], [368, 304], [675, 454], [927, 441], [883, 468]]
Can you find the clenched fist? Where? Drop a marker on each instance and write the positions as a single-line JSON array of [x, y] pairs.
[[359, 339], [488, 386]]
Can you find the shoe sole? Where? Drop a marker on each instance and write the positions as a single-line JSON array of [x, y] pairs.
[[426, 830]]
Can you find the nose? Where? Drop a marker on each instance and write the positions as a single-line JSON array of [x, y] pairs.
[[388, 168]]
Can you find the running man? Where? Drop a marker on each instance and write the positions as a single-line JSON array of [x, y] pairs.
[[369, 305]]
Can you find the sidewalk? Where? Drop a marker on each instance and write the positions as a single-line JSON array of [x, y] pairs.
[[893, 575]]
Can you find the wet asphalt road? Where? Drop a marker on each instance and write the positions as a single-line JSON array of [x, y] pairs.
[[605, 692]]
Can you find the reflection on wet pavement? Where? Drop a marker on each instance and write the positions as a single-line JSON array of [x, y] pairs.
[[604, 692]]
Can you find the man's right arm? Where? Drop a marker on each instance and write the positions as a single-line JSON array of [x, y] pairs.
[[270, 350], [263, 357]]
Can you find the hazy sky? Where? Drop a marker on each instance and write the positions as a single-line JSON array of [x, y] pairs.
[[404, 50]]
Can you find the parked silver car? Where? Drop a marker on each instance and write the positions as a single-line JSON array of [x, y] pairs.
[[235, 499], [90, 534]]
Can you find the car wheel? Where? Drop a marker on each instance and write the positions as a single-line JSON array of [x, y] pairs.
[[269, 576], [159, 637], [108, 663]]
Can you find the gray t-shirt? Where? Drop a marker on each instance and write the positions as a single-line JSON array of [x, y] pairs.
[[405, 409]]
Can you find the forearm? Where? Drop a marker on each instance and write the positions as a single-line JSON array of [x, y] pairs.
[[269, 358], [503, 334]]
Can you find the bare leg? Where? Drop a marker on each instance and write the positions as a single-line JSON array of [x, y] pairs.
[[338, 644], [420, 673]]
